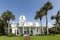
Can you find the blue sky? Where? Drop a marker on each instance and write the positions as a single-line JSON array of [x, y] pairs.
[[28, 8]]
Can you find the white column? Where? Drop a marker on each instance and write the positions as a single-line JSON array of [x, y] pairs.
[[39, 30], [16, 31], [19, 32], [23, 30], [42, 30], [36, 30]]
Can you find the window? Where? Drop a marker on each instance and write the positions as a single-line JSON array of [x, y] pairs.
[[21, 17]]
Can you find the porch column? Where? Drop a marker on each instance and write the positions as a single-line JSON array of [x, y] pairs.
[[23, 30], [36, 30], [16, 31], [42, 30], [29, 30]]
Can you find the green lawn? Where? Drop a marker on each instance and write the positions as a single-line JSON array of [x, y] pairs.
[[56, 37]]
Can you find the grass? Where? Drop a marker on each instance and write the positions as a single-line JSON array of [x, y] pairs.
[[45, 38], [11, 38], [56, 37]]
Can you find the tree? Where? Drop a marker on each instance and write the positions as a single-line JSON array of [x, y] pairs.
[[7, 16], [57, 18], [47, 6], [1, 27], [39, 15]]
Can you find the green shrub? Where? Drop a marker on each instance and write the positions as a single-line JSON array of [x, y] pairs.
[[1, 34], [31, 33], [11, 35]]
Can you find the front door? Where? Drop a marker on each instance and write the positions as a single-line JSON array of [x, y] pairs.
[[26, 31]]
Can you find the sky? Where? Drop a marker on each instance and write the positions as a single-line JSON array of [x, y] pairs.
[[29, 8]]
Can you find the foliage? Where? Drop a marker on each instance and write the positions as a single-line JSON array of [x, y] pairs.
[[7, 16], [39, 15], [47, 6], [2, 27], [43, 12], [57, 23], [56, 17], [11, 35]]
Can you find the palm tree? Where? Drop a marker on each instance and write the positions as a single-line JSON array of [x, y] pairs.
[[47, 6], [57, 18], [54, 17], [39, 15], [7, 16]]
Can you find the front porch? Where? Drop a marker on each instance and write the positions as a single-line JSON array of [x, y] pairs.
[[28, 30], [24, 30]]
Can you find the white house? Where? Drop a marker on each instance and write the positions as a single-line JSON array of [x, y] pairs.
[[25, 27]]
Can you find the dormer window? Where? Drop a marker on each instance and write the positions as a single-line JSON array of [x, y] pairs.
[[21, 17]]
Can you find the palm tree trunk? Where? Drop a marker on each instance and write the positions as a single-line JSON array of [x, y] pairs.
[[47, 23], [8, 28], [5, 24], [41, 25]]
